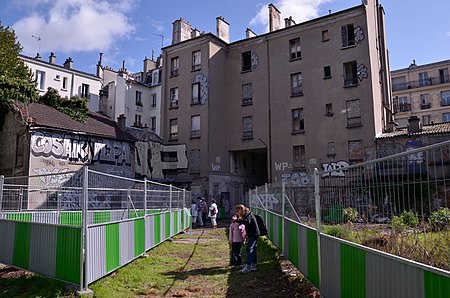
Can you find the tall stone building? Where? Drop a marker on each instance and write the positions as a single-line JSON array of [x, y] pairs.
[[275, 106]]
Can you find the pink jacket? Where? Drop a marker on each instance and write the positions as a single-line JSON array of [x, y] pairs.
[[237, 232]]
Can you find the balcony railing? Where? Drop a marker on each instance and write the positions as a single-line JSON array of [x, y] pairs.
[[403, 107], [425, 106], [421, 83]]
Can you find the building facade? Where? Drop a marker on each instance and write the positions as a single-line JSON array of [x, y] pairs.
[[273, 107], [65, 79], [422, 91]]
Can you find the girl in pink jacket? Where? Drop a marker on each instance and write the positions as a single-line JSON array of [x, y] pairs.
[[236, 238]]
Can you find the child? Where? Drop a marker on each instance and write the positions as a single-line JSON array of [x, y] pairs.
[[236, 237]]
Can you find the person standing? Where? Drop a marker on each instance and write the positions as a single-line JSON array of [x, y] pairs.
[[202, 208], [236, 238], [213, 214], [247, 218], [194, 213]]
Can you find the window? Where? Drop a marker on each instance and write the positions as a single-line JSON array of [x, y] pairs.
[[64, 83], [156, 78], [325, 35], [299, 156], [295, 50], [329, 109], [174, 97], [327, 72], [57, 77], [194, 161], [353, 113], [174, 66], [247, 127], [173, 129], [426, 119], [350, 74], [196, 93], [153, 123], [401, 104], [423, 79], [424, 101], [355, 151], [296, 84], [443, 76], [298, 121], [348, 35], [195, 126], [40, 80], [331, 149], [139, 98], [446, 117], [247, 94], [445, 98], [169, 156], [399, 83], [247, 61], [153, 100], [196, 60], [137, 121], [85, 91]]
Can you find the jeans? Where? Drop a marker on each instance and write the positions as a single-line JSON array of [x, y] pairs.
[[236, 259], [251, 250]]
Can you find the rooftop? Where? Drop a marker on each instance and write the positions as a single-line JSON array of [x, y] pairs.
[[432, 129]]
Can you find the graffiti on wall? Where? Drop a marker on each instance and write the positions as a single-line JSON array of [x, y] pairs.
[[255, 61], [336, 168], [359, 34], [203, 80], [362, 72], [297, 179]]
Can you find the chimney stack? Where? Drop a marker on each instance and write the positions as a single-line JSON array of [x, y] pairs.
[[288, 22], [222, 29], [195, 33], [68, 63], [149, 64], [38, 56], [181, 31], [52, 58], [414, 124], [99, 66], [121, 121], [274, 18], [249, 33]]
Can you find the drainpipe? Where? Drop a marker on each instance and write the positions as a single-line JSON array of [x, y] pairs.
[[269, 115]]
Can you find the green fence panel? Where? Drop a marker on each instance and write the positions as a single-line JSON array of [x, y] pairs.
[[68, 245], [436, 286], [21, 245], [157, 228], [167, 225], [139, 237], [112, 247], [102, 216], [19, 216], [293, 243], [135, 213], [71, 218], [176, 216], [353, 271], [313, 257]]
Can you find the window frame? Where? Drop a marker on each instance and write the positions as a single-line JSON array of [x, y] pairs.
[[85, 91], [195, 98], [445, 116], [174, 66], [327, 72], [445, 101], [174, 96], [154, 100], [246, 132], [295, 50], [348, 36], [353, 121], [299, 82], [195, 133], [40, 80], [173, 129], [246, 59], [247, 89], [153, 123], [196, 55], [298, 120], [350, 66], [138, 98], [360, 147], [299, 157]]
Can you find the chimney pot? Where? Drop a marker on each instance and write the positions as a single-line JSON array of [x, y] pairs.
[[121, 121], [68, 63], [414, 124], [52, 58]]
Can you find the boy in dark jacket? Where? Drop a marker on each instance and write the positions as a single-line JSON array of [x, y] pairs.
[[251, 227]]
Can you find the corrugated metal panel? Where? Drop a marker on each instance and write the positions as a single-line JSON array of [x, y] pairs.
[[162, 227], [149, 232], [173, 215], [389, 278], [303, 250], [276, 230], [96, 253], [45, 217], [167, 225], [287, 247], [43, 249], [139, 237], [331, 268], [7, 232], [21, 245], [112, 246], [353, 271], [157, 228], [68, 251], [126, 239]]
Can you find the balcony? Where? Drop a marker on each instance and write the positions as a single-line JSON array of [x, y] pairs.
[[431, 81], [425, 106], [403, 107]]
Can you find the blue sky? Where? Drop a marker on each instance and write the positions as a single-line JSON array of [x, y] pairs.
[[130, 29]]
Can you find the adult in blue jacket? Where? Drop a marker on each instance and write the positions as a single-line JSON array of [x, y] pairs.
[[246, 217]]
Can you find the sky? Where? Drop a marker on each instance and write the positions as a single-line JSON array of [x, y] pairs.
[[130, 30]]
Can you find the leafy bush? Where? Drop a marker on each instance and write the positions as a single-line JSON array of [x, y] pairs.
[[404, 220], [350, 214], [337, 231], [440, 219]]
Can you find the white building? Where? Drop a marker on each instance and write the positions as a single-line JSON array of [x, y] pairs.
[[135, 96], [67, 80]]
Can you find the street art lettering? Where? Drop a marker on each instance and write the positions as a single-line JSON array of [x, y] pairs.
[[255, 61], [297, 179], [57, 177], [80, 149], [359, 34], [269, 200], [215, 168], [362, 72], [203, 80], [282, 166], [335, 168]]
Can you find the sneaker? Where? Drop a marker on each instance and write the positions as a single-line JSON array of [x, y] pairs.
[[252, 267], [245, 269]]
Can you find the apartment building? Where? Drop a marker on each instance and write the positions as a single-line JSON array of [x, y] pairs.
[[273, 107], [422, 91], [67, 80], [135, 96]]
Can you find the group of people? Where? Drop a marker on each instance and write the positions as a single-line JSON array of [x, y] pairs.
[[200, 211], [243, 229]]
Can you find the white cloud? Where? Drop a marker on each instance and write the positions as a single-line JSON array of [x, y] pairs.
[[300, 10], [74, 25], [448, 33]]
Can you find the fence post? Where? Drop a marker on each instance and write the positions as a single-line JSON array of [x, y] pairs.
[[266, 188], [84, 246], [145, 197], [2, 181], [318, 219], [170, 197], [283, 205], [250, 198]]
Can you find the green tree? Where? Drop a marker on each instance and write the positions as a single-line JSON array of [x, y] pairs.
[[76, 107], [16, 80]]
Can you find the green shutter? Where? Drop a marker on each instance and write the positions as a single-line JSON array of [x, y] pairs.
[[68, 245]]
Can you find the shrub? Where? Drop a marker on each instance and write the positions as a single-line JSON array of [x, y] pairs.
[[404, 220], [350, 214], [337, 231], [440, 219]]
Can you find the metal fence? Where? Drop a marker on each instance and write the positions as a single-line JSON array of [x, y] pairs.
[[80, 226], [374, 229]]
